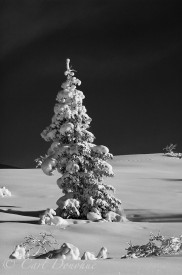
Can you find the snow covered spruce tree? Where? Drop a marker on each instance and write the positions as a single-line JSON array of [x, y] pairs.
[[81, 163]]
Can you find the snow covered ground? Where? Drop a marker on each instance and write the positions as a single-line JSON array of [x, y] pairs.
[[150, 187]]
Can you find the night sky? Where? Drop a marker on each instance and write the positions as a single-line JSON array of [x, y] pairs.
[[128, 55]]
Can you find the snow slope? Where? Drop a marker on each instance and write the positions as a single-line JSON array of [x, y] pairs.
[[150, 187]]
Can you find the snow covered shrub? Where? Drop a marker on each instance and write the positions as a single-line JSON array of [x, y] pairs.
[[170, 148], [158, 245], [33, 246], [169, 151]]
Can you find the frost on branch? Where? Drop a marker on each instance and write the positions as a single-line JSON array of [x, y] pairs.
[[81, 163]]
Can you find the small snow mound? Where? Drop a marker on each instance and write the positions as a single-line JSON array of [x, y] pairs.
[[19, 253], [4, 192], [49, 217]]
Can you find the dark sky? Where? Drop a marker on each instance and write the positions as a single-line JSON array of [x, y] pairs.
[[128, 55]]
